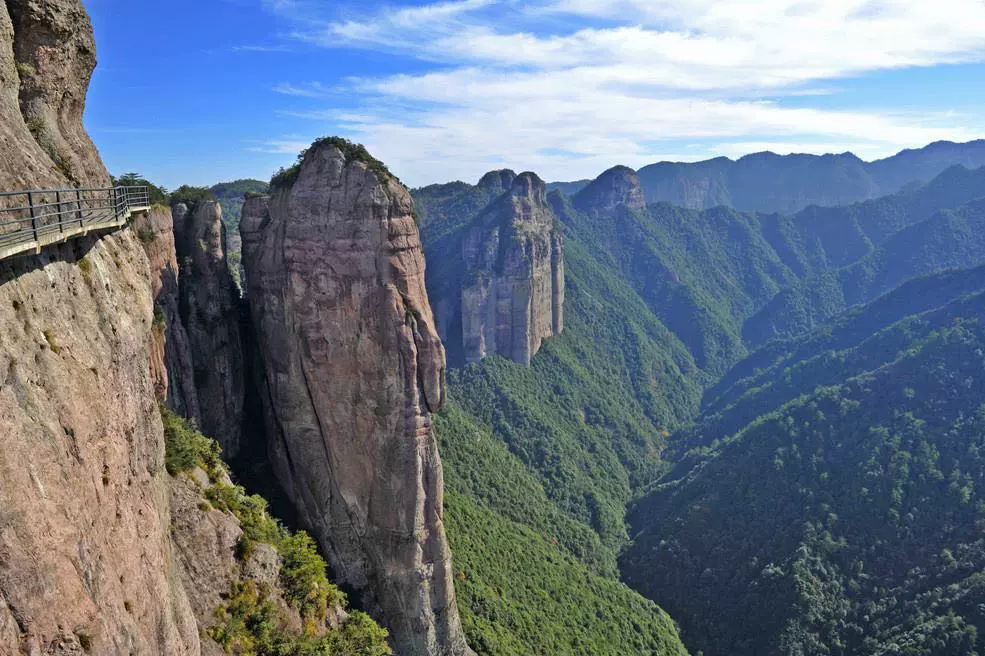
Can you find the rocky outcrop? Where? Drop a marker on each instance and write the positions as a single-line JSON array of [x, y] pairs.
[[171, 359], [497, 182], [86, 562], [617, 187], [512, 297], [54, 54], [211, 315], [352, 367]]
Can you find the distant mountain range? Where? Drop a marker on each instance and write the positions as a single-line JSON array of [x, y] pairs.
[[767, 182]]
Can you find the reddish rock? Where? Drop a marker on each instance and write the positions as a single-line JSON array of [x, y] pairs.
[[171, 359], [352, 366]]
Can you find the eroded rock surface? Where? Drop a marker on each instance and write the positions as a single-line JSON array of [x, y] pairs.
[[55, 54], [85, 554], [352, 367], [210, 313], [512, 296], [171, 359]]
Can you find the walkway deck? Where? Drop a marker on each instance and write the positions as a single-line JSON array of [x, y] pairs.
[[31, 220]]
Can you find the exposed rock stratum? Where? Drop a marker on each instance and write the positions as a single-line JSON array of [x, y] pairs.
[[513, 292], [86, 560], [352, 367]]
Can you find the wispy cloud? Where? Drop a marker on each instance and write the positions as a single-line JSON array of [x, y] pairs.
[[308, 90], [532, 85], [286, 145], [261, 48]]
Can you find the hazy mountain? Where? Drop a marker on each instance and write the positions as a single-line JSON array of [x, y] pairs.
[[766, 182]]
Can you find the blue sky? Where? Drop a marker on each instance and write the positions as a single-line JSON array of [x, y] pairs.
[[198, 92]]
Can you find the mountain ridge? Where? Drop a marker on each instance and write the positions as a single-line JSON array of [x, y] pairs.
[[738, 183]]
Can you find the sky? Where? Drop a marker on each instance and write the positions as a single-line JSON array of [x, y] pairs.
[[196, 92]]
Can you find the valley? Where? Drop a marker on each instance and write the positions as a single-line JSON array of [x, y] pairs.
[[728, 406]]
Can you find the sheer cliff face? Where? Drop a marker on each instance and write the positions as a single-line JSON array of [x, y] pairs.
[[171, 359], [513, 295], [85, 553], [210, 313], [352, 366]]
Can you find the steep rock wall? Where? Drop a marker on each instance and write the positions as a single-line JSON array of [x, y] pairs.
[[211, 315], [513, 291], [352, 366], [85, 556], [619, 186], [171, 359]]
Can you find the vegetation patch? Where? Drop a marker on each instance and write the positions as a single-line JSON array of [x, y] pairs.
[[352, 152], [49, 337], [158, 195], [185, 448], [145, 235], [191, 196], [25, 69], [250, 622]]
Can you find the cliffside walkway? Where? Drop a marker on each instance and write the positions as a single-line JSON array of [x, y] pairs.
[[31, 220]]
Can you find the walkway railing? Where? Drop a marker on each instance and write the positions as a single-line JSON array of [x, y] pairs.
[[31, 220]]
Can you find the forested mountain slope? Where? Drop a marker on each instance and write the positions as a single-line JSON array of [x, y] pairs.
[[949, 239], [838, 509], [720, 279], [541, 460], [659, 306]]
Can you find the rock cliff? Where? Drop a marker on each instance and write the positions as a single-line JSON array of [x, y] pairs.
[[512, 297], [619, 186], [86, 561], [210, 313], [352, 367], [49, 55], [171, 358]]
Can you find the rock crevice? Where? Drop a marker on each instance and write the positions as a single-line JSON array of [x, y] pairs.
[[210, 313]]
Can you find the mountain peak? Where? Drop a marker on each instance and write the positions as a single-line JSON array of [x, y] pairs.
[[501, 179], [528, 185], [620, 185]]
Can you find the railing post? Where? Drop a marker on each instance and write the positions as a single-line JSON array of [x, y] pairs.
[[34, 218], [78, 198], [58, 212]]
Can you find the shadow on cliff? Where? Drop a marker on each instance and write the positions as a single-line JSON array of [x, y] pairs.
[[252, 467], [70, 252]]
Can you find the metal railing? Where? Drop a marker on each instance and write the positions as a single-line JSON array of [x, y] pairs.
[[30, 220]]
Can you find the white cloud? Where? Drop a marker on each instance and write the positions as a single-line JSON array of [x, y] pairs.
[[530, 86], [310, 90]]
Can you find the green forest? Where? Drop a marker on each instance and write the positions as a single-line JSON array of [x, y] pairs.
[[768, 425]]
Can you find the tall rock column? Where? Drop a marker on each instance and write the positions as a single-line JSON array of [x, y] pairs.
[[513, 294], [210, 312], [352, 366], [171, 358]]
